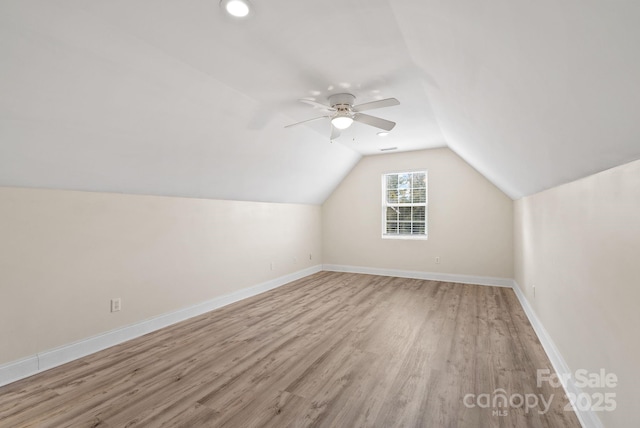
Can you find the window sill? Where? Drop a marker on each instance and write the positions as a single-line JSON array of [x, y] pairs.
[[407, 237]]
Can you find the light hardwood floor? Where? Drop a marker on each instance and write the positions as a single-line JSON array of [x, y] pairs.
[[330, 350]]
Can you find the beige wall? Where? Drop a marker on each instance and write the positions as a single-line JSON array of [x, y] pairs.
[[579, 244], [470, 221], [64, 255]]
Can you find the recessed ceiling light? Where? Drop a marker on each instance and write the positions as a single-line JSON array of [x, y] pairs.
[[388, 149], [237, 8], [383, 134]]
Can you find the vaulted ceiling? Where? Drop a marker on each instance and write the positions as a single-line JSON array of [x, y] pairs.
[[176, 98]]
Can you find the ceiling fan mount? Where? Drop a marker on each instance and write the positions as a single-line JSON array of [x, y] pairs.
[[341, 100], [342, 113]]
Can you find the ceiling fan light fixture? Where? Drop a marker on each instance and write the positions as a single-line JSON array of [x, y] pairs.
[[236, 8], [342, 122]]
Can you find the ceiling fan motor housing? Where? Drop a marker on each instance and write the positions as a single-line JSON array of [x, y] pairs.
[[341, 101]]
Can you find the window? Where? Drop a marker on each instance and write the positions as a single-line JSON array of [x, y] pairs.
[[404, 205]]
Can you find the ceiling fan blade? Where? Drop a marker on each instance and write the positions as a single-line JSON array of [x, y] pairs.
[[385, 124], [335, 133], [388, 102], [305, 121], [316, 104]]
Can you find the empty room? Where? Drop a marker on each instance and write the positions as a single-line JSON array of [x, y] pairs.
[[381, 213]]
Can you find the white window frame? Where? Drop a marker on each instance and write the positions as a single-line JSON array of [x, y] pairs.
[[385, 204]]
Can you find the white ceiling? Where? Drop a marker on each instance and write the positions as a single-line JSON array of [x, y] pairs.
[[174, 98]]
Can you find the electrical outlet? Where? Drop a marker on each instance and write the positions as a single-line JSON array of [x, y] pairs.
[[533, 287], [272, 265], [295, 260], [438, 260], [310, 256], [116, 305]]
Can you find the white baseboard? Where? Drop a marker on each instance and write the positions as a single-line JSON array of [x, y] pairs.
[[433, 276], [17, 370], [33, 364], [587, 418]]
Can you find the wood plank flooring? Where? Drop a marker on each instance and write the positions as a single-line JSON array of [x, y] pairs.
[[330, 350]]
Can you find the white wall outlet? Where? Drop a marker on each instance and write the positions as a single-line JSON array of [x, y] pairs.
[[116, 305], [295, 260], [533, 287], [310, 256], [272, 265], [438, 260]]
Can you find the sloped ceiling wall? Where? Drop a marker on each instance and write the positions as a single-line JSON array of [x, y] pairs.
[[532, 94], [175, 98]]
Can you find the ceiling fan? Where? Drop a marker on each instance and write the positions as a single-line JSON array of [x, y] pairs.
[[343, 113]]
